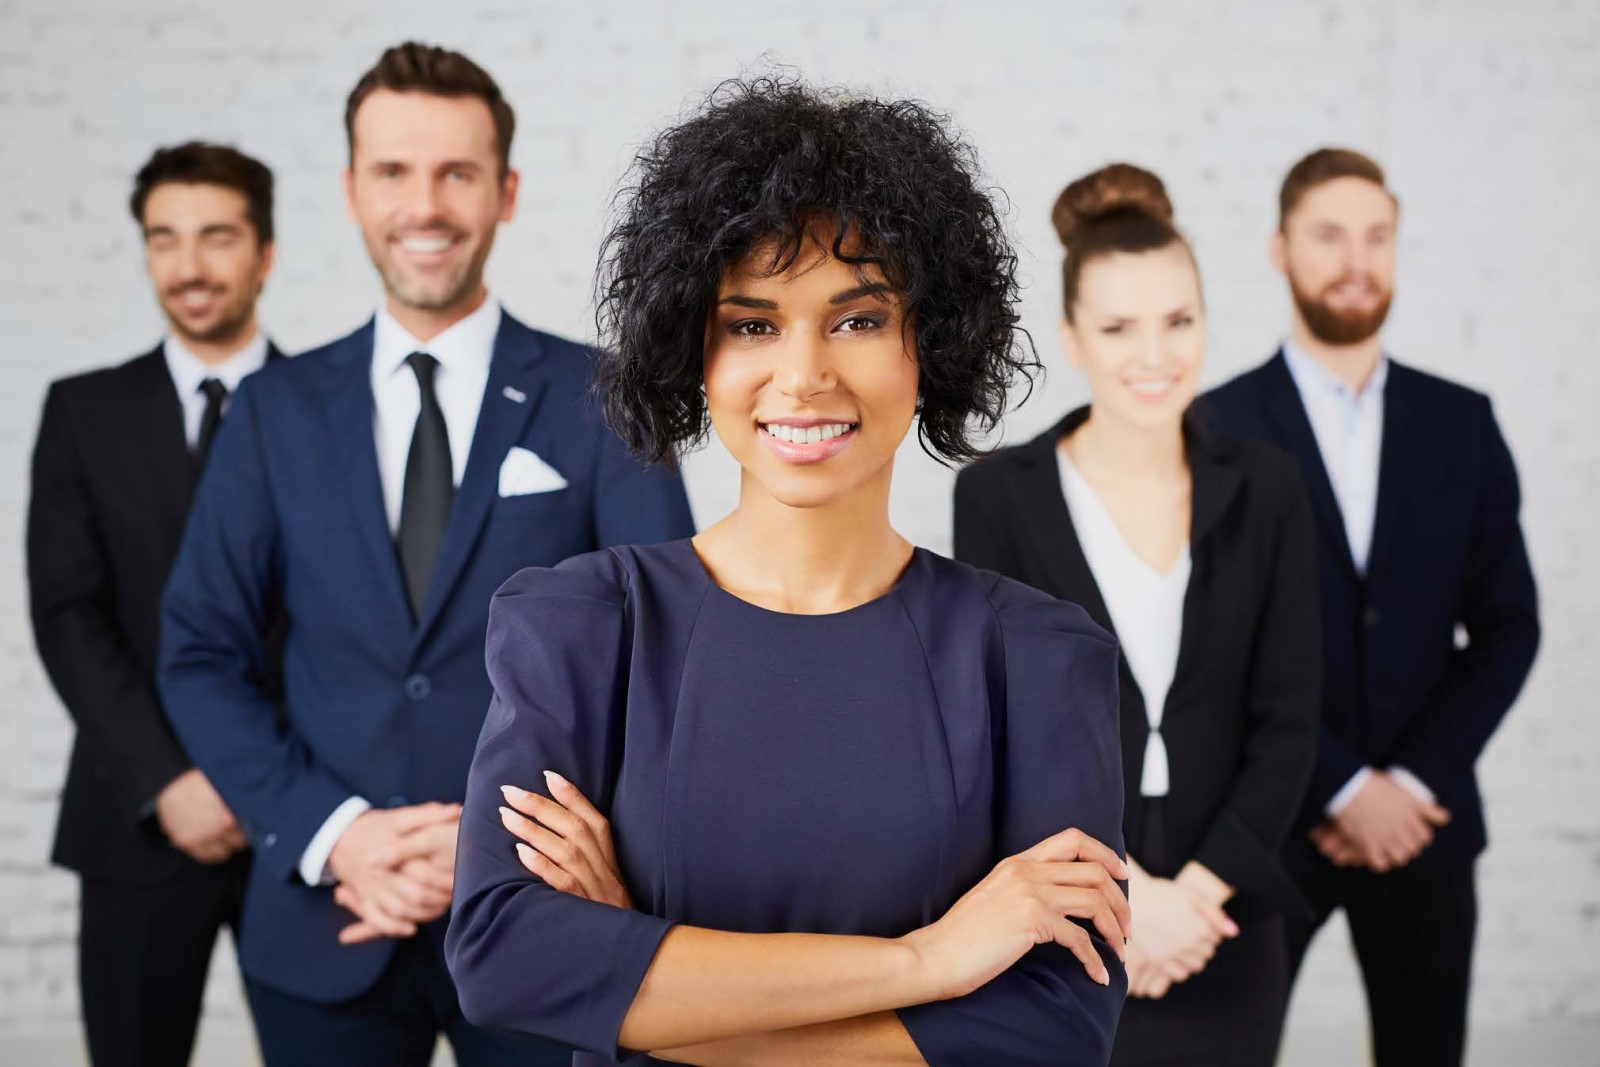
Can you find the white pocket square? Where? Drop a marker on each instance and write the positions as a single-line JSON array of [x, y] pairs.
[[523, 472]]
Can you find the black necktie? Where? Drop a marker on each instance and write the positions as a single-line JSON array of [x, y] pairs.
[[429, 487], [211, 418]]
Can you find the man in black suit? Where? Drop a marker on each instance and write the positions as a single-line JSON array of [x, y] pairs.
[[161, 859], [1429, 609]]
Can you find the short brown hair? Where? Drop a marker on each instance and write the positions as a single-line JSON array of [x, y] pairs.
[[203, 163], [1326, 165], [413, 67]]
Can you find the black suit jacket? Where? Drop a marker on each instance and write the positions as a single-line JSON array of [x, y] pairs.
[[1447, 551], [112, 483], [1240, 718]]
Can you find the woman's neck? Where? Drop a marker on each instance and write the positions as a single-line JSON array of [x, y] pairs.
[[806, 560], [1108, 450]]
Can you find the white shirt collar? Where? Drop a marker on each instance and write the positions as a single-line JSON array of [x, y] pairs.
[[1312, 378], [189, 370], [467, 346]]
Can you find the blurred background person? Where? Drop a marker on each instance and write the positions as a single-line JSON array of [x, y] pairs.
[[161, 858], [381, 488], [1430, 618], [1198, 553]]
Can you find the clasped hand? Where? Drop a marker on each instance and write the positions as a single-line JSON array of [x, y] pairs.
[[395, 869], [1025, 900], [1179, 931], [1383, 828]]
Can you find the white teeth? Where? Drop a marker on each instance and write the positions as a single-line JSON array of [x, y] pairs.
[[1151, 388], [807, 435], [426, 244]]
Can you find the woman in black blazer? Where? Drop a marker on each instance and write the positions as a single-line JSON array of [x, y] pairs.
[[1198, 551]]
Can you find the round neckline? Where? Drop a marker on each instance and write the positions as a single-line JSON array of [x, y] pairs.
[[918, 553]]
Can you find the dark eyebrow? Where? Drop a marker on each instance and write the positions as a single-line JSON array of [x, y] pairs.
[[220, 227], [749, 302], [876, 289]]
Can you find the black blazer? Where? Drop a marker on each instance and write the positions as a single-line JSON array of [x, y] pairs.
[[112, 483], [1446, 550], [1240, 718]]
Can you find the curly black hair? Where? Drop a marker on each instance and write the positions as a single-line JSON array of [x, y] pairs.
[[763, 159]]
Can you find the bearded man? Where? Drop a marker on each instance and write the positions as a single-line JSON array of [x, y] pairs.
[[1430, 618]]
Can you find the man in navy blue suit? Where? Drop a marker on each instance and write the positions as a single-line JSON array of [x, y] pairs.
[[377, 491], [1429, 609]]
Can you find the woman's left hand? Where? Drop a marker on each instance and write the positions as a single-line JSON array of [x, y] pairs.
[[565, 841]]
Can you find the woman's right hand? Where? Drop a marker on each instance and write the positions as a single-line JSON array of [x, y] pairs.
[[1178, 932], [1026, 900]]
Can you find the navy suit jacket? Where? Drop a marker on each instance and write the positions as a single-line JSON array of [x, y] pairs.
[[1447, 552], [289, 514]]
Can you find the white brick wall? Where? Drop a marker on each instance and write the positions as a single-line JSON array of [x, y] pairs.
[[1486, 113]]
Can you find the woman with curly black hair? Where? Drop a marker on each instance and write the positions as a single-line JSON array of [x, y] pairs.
[[810, 794]]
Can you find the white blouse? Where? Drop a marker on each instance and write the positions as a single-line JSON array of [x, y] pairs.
[[1146, 608]]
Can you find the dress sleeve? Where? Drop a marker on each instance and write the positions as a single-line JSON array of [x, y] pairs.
[[525, 957], [1059, 764]]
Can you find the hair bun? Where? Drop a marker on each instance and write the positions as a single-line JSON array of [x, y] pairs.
[[1114, 189]]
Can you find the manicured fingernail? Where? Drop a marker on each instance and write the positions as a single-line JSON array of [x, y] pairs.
[[506, 815], [525, 852], [555, 779], [512, 793], [1104, 977]]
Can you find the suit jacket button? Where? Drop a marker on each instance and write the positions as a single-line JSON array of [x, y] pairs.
[[1371, 617], [418, 687]]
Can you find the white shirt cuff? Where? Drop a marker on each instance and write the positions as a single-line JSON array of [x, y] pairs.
[[314, 860], [1347, 792], [1412, 784]]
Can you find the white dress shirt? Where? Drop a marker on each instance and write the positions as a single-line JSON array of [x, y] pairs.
[[1146, 608], [464, 352], [1348, 426], [189, 370]]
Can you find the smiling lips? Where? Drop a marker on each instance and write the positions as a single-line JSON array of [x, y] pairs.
[[427, 248], [807, 440]]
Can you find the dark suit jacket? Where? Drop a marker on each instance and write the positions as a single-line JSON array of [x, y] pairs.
[[1447, 550], [1240, 717], [112, 482], [377, 704]]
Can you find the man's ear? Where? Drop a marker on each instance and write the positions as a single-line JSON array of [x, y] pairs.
[[1278, 252], [508, 195], [348, 180]]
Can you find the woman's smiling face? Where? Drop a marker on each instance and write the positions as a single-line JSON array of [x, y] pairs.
[[810, 374]]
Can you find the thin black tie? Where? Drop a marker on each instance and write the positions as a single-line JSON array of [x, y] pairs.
[[429, 487], [210, 419]]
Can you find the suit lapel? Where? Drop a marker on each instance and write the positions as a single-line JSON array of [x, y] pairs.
[[514, 390], [158, 425], [349, 412], [1214, 484], [1287, 413], [1403, 441]]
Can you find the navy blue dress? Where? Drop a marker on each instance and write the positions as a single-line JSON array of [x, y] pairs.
[[765, 772]]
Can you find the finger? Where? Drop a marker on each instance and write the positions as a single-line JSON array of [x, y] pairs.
[[422, 843], [540, 865], [1158, 987], [573, 860], [1087, 904], [358, 932], [559, 819], [572, 798], [416, 816], [1436, 813], [1074, 844], [426, 874], [1217, 920], [1075, 939], [1089, 875]]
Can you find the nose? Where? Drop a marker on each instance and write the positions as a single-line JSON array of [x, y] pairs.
[[424, 200], [190, 263], [803, 370]]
